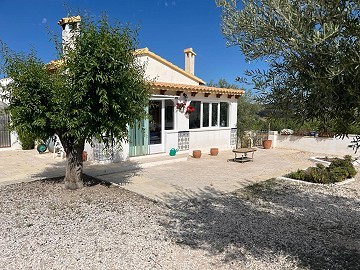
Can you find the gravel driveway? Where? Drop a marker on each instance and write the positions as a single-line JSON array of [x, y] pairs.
[[271, 225]]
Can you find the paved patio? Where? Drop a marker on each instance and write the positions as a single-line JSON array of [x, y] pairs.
[[160, 177]]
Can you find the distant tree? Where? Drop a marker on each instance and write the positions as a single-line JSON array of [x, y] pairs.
[[312, 47], [96, 90], [248, 118], [222, 83]]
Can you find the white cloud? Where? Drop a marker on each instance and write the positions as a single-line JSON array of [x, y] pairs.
[[166, 4], [44, 20]]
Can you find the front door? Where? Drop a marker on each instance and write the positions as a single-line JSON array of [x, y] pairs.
[[156, 127]]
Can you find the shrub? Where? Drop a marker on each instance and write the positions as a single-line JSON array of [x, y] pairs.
[[27, 141], [299, 174], [338, 170]]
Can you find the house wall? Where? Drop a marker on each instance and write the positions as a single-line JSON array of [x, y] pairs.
[[206, 139], [159, 72]]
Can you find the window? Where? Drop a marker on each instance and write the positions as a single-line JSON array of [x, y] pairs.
[[194, 117], [224, 115], [214, 114], [169, 115], [209, 114], [206, 112]]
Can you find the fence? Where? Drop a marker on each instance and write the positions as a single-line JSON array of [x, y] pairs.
[[253, 138], [4, 132]]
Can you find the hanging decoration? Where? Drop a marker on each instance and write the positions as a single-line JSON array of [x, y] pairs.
[[183, 105]]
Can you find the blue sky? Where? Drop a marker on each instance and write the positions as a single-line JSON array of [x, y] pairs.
[[167, 27]]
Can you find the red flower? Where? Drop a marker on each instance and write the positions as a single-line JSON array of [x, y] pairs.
[[190, 109]]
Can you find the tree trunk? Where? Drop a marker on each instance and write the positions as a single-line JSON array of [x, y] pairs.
[[73, 176]]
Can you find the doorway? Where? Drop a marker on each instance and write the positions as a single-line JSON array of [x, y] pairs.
[[156, 126]]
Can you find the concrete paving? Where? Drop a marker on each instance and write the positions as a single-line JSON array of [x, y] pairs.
[[161, 177]]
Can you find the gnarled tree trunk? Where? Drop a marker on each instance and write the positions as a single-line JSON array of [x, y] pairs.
[[74, 166]]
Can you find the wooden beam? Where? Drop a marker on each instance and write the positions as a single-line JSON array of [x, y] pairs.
[[206, 94], [193, 94], [230, 96], [162, 92], [218, 95], [178, 93], [237, 96]]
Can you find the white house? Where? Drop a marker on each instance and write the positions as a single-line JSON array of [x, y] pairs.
[[185, 114]]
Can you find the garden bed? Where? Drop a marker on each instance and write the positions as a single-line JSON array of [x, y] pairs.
[[337, 170]]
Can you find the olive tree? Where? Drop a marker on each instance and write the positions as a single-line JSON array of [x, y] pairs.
[[96, 90], [313, 51]]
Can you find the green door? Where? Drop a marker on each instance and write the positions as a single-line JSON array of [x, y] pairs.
[[139, 139]]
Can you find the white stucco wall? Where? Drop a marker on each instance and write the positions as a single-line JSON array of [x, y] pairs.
[[208, 138], [159, 72], [328, 146], [171, 140]]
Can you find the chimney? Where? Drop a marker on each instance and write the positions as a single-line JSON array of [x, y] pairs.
[[189, 60], [70, 26]]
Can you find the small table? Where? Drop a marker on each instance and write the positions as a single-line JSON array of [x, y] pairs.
[[244, 157]]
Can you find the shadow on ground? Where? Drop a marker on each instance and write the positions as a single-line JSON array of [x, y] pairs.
[[92, 173], [316, 229]]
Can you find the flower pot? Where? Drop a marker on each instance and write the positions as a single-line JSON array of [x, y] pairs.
[[196, 153], [267, 144], [214, 151]]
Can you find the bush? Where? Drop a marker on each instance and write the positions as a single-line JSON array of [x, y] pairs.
[[338, 170], [27, 141]]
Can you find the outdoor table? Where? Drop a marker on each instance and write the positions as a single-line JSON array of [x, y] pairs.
[[244, 154]]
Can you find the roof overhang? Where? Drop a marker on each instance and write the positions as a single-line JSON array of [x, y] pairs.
[[164, 86]]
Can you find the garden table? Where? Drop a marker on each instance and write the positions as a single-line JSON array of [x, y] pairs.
[[244, 154]]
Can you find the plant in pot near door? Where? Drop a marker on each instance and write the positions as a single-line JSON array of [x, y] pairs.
[[267, 143]]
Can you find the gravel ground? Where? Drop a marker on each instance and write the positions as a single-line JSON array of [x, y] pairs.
[[272, 225]]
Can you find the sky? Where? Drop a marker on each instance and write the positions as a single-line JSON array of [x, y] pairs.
[[167, 27]]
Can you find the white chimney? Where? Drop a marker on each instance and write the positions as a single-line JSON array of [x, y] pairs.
[[70, 27], [189, 60]]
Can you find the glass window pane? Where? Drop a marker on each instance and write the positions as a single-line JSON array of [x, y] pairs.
[[194, 117], [224, 114], [169, 115], [214, 114], [206, 110]]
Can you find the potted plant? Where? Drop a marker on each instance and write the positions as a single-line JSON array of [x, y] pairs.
[[267, 143]]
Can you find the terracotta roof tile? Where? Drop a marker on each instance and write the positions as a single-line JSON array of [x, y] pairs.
[[195, 88]]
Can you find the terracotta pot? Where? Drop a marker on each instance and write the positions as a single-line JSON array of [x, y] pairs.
[[267, 144], [196, 153], [84, 156], [214, 151]]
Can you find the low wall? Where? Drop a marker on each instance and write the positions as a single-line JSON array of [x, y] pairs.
[[328, 146]]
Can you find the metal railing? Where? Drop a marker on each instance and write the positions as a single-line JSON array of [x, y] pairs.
[[4, 131]]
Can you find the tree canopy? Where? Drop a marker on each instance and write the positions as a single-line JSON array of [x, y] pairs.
[[313, 51], [96, 89]]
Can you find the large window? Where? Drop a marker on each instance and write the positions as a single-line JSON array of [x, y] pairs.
[[214, 114], [169, 115], [224, 114], [209, 114], [194, 117], [206, 114]]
